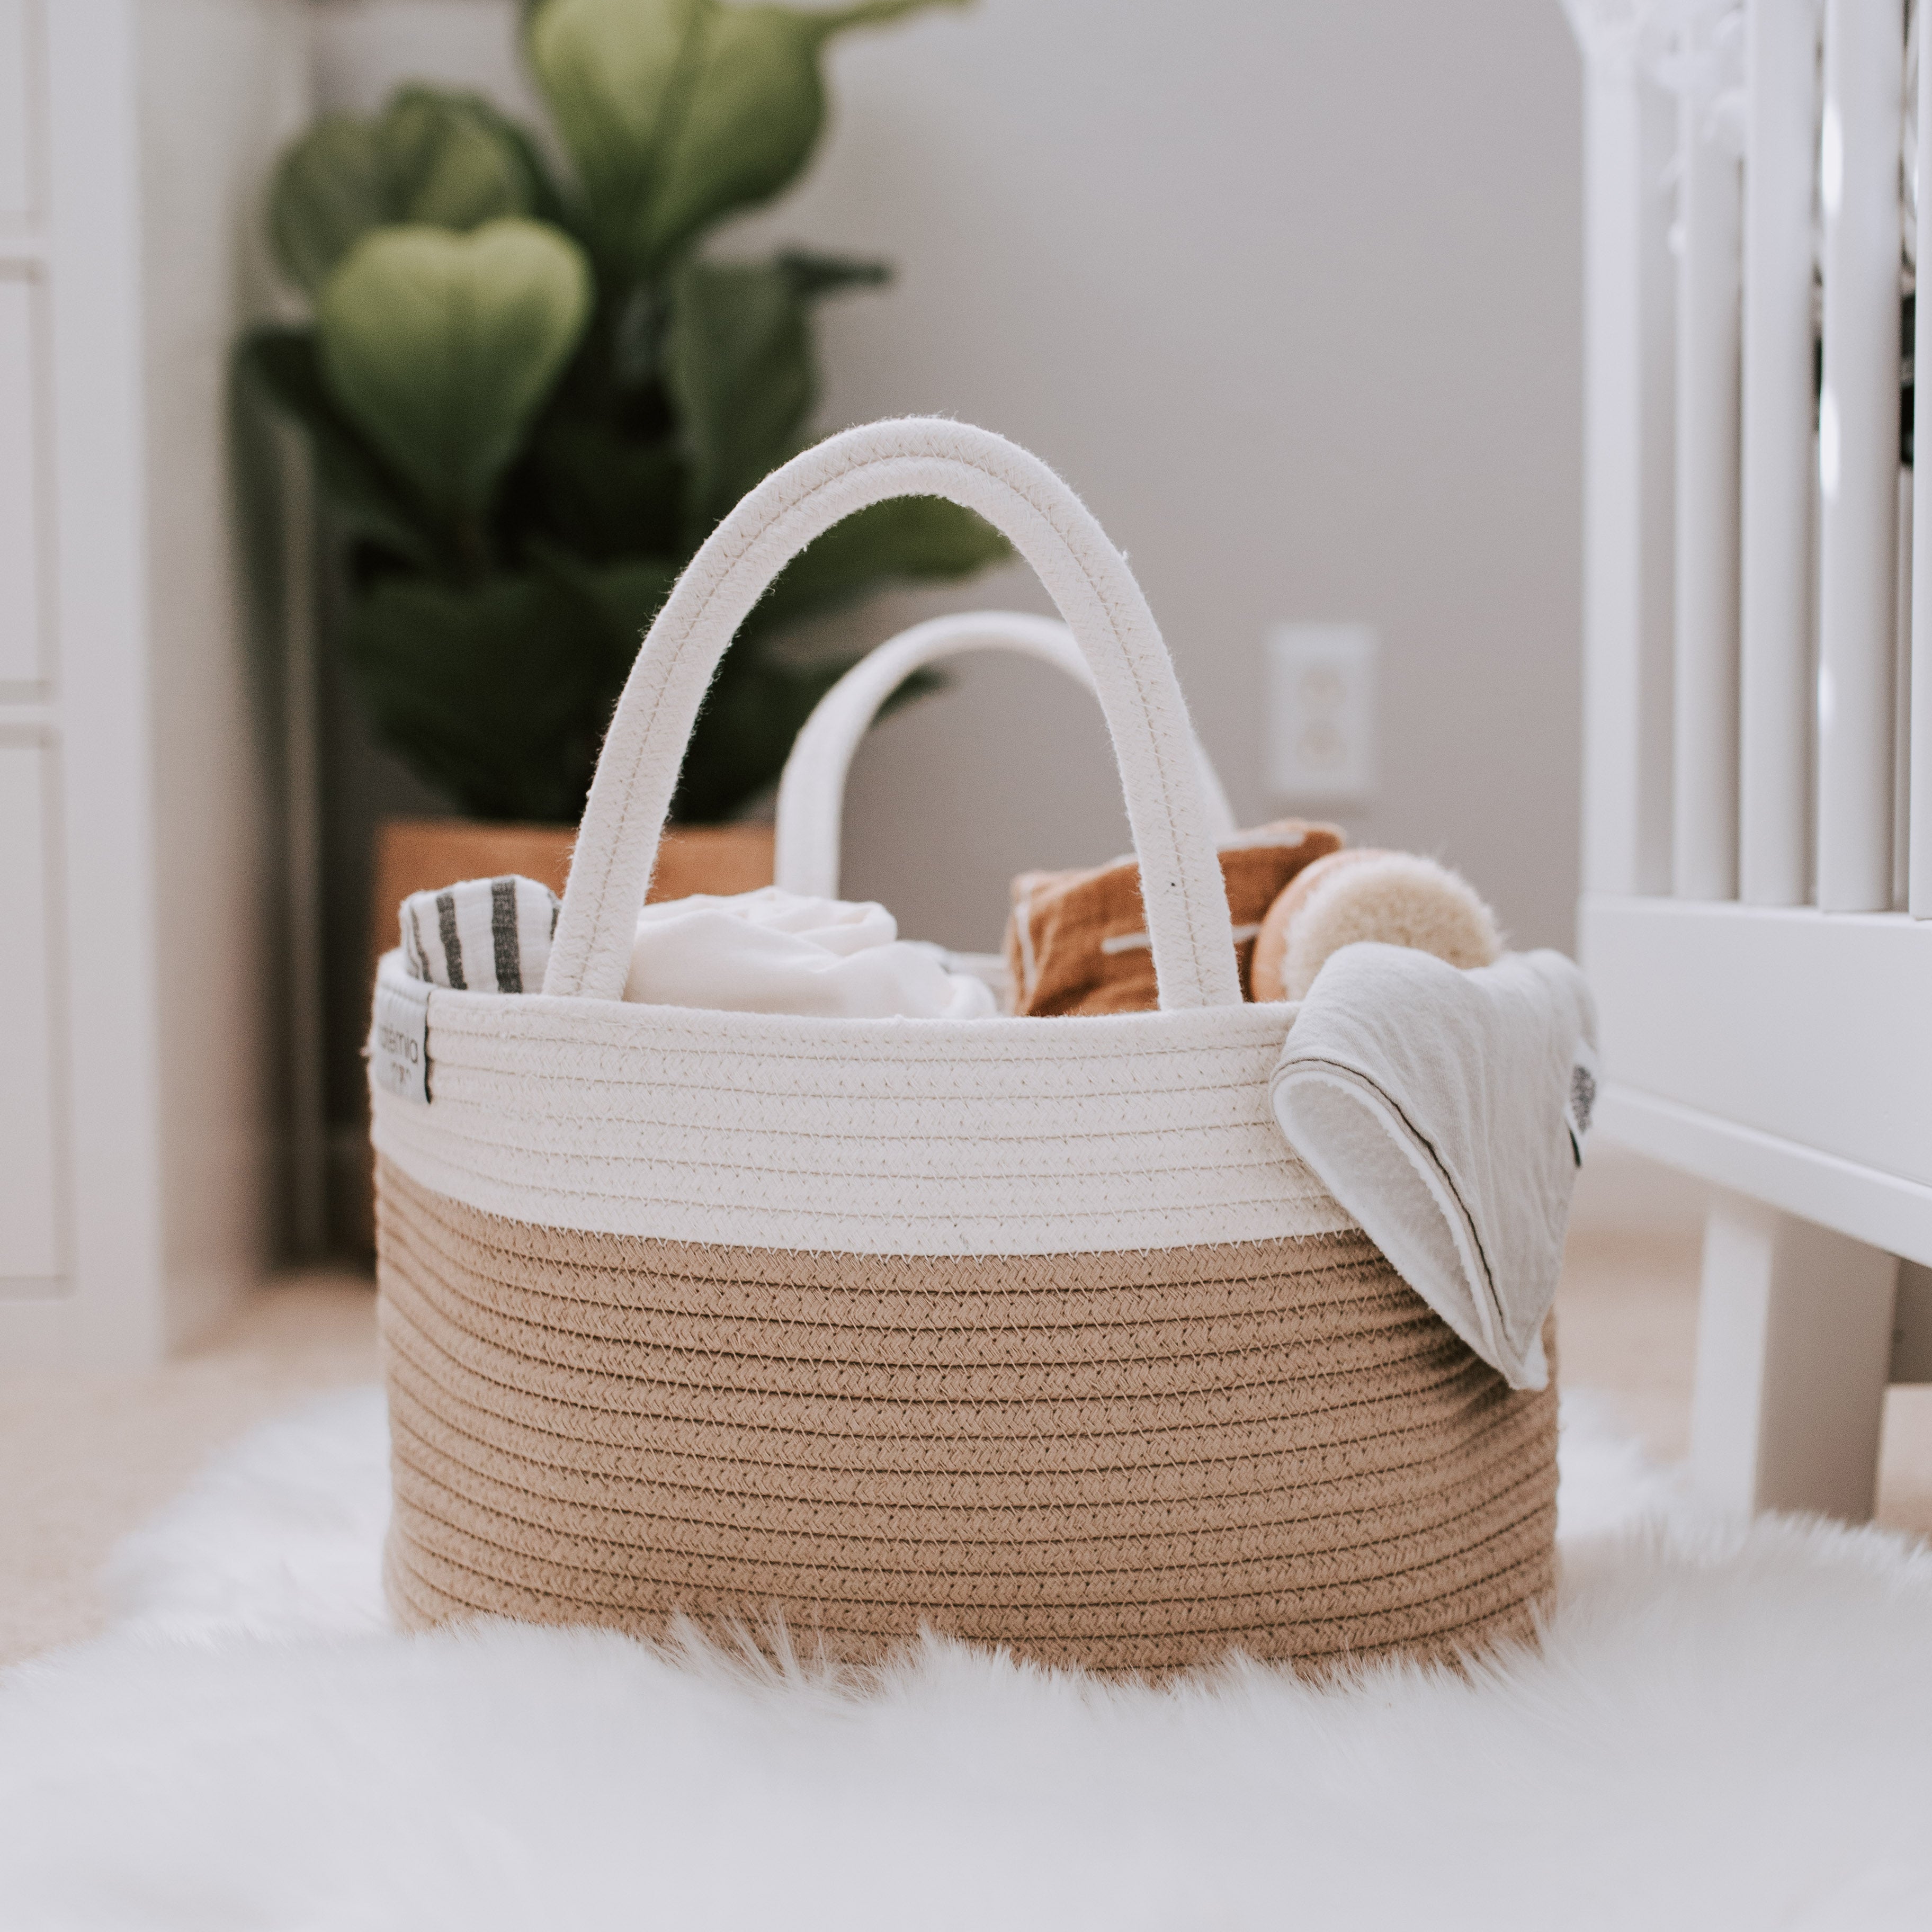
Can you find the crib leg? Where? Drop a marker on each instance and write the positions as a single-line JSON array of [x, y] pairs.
[[1794, 1346]]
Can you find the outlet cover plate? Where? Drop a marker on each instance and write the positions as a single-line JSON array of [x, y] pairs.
[[1321, 700]]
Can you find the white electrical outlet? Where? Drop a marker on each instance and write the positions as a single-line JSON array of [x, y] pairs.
[[1321, 713]]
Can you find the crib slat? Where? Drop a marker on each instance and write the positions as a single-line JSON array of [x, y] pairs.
[[1781, 60], [1858, 456], [1901, 707], [1630, 301], [1919, 851], [1704, 788]]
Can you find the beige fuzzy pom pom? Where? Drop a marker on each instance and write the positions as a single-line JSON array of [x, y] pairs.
[[1399, 898]]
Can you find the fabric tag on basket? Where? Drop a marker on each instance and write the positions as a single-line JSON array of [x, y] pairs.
[[1581, 1103], [399, 1039]]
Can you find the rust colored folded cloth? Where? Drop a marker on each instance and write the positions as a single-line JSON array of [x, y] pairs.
[[1077, 941]]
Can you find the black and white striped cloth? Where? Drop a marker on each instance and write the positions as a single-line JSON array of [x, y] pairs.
[[482, 936]]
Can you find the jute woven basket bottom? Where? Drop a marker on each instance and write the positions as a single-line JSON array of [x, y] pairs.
[[1132, 1462]]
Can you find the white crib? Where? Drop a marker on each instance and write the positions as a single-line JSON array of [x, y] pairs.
[[1756, 914]]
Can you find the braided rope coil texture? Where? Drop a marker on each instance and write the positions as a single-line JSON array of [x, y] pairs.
[[1128, 1461], [1012, 1136]]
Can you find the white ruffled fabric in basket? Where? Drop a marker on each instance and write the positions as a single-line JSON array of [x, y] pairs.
[[776, 952], [765, 952]]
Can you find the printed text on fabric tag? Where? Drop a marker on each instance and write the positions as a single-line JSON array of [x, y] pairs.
[[399, 1039]]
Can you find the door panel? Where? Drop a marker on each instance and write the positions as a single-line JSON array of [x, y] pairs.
[[30, 1190], [22, 599]]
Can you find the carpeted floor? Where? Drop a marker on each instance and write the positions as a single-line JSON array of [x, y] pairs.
[[88, 1457]]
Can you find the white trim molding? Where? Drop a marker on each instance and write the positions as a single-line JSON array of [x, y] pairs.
[[139, 1133]]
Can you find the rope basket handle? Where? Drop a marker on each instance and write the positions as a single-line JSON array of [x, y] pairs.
[[1087, 579], [811, 791]]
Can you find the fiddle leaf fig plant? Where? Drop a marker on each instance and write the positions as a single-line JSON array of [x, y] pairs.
[[445, 160], [443, 345], [530, 393], [676, 115]]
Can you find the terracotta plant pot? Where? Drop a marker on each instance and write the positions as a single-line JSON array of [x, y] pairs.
[[414, 855]]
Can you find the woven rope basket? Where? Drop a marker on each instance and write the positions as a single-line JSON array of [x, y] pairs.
[[1031, 1331]]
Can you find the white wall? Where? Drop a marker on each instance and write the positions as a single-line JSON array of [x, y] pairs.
[[1289, 289], [213, 679]]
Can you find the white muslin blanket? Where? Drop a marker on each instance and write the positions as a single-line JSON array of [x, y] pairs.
[[776, 952], [1446, 1110]]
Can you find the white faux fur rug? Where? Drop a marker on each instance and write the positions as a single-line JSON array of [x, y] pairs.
[[1725, 1728]]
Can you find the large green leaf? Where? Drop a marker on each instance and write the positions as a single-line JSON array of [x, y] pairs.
[[632, 595], [604, 495], [368, 499], [618, 601], [500, 695], [760, 701], [441, 346], [752, 715], [916, 537], [677, 112], [497, 696], [738, 363], [447, 161]]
